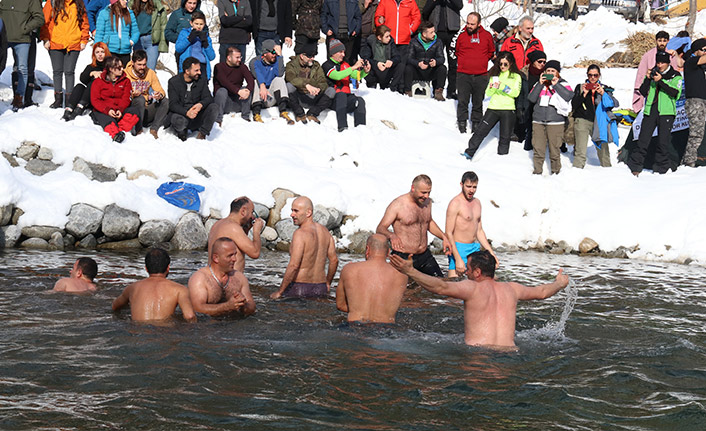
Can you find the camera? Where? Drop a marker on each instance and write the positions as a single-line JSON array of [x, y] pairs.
[[654, 72], [590, 86]]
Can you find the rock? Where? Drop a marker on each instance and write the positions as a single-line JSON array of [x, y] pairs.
[[202, 171], [10, 159], [102, 173], [102, 240], [45, 154], [269, 234], [209, 224], [285, 229], [57, 241], [28, 150], [89, 241], [10, 235], [323, 216], [587, 245], [81, 166], [190, 233], [620, 253], [153, 232], [358, 240], [262, 211], [561, 247], [437, 246], [6, 214], [389, 124], [16, 214], [121, 245], [43, 232], [214, 213], [282, 246], [141, 173], [176, 177], [119, 223], [281, 196], [84, 219], [69, 241], [347, 218], [40, 167], [37, 243]]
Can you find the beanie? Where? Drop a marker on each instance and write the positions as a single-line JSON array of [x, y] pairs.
[[553, 64], [268, 45], [499, 24], [334, 46], [662, 57], [536, 55]]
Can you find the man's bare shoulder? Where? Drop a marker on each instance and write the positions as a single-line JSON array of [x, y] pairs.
[[226, 227], [321, 229], [72, 285], [198, 277]]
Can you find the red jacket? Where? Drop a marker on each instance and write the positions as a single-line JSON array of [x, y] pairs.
[[106, 95], [514, 45], [403, 20], [473, 51]]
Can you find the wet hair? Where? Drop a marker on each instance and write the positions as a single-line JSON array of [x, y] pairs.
[[197, 14], [111, 62], [117, 12], [380, 31], [139, 55], [504, 55], [483, 260], [238, 203], [475, 14], [186, 65], [425, 25], [59, 8], [88, 266], [422, 179], [592, 67], [662, 35], [97, 45], [469, 176], [157, 261], [232, 49], [148, 8]]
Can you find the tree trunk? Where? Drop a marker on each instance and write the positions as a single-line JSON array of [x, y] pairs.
[[692, 18]]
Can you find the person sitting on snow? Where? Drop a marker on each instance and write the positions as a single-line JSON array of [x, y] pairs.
[[339, 75], [190, 102], [426, 61], [110, 99], [307, 85], [268, 71], [148, 96]]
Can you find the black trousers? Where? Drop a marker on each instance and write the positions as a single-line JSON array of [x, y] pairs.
[[384, 78], [398, 80], [437, 76], [345, 103], [490, 119], [317, 104], [447, 37], [649, 123], [471, 88], [203, 121]]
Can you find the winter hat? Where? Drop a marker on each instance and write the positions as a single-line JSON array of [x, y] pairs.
[[268, 45], [335, 46], [536, 55], [553, 64], [112, 2], [662, 57], [499, 24], [698, 44], [309, 49]]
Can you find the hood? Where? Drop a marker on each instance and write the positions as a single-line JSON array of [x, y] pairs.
[[198, 4]]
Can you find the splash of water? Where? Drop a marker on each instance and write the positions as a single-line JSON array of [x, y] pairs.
[[554, 331]]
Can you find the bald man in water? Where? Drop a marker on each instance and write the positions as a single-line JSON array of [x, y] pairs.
[[219, 288], [236, 226], [80, 278], [372, 290], [312, 244], [489, 306], [155, 298]]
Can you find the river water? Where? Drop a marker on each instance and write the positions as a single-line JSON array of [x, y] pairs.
[[623, 348]]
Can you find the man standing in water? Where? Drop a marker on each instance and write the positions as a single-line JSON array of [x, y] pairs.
[[371, 291], [218, 288], [155, 298], [410, 217], [236, 226], [463, 225], [312, 245], [80, 278], [488, 306]]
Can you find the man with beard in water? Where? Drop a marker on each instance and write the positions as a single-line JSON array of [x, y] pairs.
[[489, 306], [410, 217], [236, 226]]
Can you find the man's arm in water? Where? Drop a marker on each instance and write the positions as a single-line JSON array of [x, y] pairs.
[[383, 227], [341, 302], [544, 291], [198, 294], [249, 306], [437, 232], [296, 254], [123, 299], [453, 289], [332, 263], [185, 304]]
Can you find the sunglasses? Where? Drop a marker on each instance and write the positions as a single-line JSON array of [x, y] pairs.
[[541, 61], [594, 75], [504, 64]]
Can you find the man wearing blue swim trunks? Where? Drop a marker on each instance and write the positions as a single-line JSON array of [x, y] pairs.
[[463, 226]]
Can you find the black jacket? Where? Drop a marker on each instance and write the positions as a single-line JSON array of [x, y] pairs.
[[367, 49], [235, 28], [417, 52], [181, 101], [284, 18]]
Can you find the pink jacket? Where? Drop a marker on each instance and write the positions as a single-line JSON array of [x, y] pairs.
[[647, 63]]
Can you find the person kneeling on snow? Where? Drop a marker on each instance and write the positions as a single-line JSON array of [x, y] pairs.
[[110, 98], [339, 75]]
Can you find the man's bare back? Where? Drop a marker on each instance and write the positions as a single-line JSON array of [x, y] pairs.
[[156, 298], [74, 285]]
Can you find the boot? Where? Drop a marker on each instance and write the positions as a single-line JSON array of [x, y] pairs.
[[301, 118], [154, 133], [58, 100], [68, 114], [285, 115], [257, 117], [17, 103], [314, 118], [28, 94], [439, 94], [201, 136], [119, 137], [462, 126]]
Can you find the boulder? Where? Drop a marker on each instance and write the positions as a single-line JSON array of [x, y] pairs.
[[37, 243], [28, 150], [89, 241], [329, 217], [40, 167], [214, 213], [268, 234], [45, 154], [57, 241], [176, 177], [587, 245], [6, 214], [9, 236], [83, 220], [281, 196], [141, 173], [81, 166], [262, 211], [16, 214], [153, 232], [119, 223], [561, 247], [357, 241], [121, 245], [209, 223], [190, 233], [202, 171], [282, 246], [43, 232], [10, 159], [94, 171], [69, 241], [285, 229]]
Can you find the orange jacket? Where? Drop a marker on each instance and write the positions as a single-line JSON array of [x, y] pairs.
[[69, 31]]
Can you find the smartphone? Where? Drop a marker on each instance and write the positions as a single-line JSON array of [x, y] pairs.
[[590, 86], [548, 76]]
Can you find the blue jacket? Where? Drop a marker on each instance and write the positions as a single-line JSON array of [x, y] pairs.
[[186, 49], [330, 13], [118, 43], [92, 10], [265, 73], [178, 21], [605, 125]]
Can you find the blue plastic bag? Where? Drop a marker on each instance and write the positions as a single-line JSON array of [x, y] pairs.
[[182, 195]]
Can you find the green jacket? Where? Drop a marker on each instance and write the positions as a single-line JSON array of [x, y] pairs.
[[299, 76], [667, 91], [503, 97], [21, 18], [159, 22]]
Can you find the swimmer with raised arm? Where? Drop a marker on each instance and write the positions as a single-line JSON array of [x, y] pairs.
[[236, 226], [489, 306], [80, 278]]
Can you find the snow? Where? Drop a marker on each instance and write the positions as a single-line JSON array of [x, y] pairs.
[[362, 169]]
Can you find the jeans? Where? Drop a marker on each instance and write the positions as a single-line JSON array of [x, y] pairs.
[[20, 52], [263, 36], [145, 42], [63, 63]]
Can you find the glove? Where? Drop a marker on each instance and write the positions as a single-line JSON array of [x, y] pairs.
[[204, 42], [193, 36]]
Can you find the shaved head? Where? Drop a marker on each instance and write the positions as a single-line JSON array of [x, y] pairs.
[[220, 243], [304, 202], [302, 210], [378, 243]]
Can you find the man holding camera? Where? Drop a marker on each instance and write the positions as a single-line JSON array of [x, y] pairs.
[[339, 74], [661, 88], [647, 63], [426, 61]]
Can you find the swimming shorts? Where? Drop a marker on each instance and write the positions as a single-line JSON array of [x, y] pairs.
[[464, 250], [305, 290], [422, 262]]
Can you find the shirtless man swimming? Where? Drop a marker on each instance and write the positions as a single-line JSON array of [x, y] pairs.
[[218, 288], [410, 217], [155, 298], [463, 225], [372, 290], [312, 244], [236, 226], [80, 278], [489, 306]]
